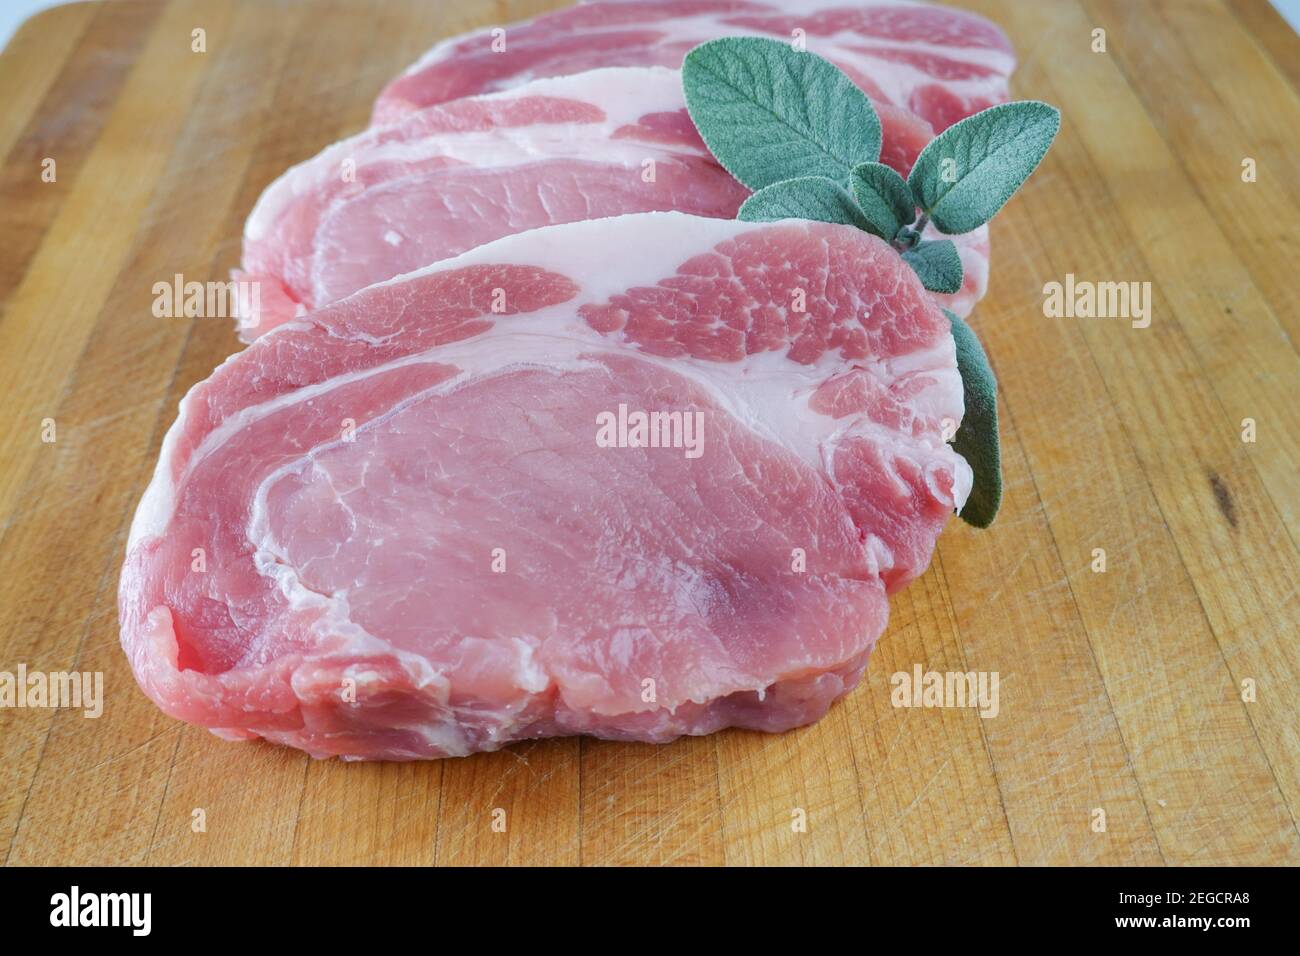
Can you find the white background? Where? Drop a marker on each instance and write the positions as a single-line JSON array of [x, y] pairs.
[[14, 12]]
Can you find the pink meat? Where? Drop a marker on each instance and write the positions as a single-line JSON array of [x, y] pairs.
[[938, 63], [453, 177], [388, 531], [446, 179]]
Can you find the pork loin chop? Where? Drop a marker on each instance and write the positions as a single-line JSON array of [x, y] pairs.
[[936, 62], [427, 520], [451, 177]]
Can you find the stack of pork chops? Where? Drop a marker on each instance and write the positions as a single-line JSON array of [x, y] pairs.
[[533, 437]]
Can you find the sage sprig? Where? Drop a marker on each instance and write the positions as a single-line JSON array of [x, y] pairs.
[[808, 197], [977, 435], [769, 113], [885, 198], [969, 171], [937, 264], [793, 128]]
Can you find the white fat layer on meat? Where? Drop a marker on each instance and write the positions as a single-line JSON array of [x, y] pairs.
[[624, 94], [766, 392], [894, 78], [159, 498]]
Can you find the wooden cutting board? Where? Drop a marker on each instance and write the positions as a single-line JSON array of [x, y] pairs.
[[1121, 692]]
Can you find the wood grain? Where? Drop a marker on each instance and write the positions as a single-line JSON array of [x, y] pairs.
[[1120, 691]]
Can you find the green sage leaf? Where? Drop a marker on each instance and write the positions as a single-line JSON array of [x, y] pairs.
[[937, 265], [769, 112], [808, 197], [977, 438], [969, 171], [885, 198]]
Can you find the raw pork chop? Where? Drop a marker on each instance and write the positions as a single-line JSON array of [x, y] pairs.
[[390, 531], [939, 63], [451, 177]]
